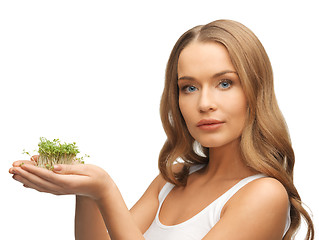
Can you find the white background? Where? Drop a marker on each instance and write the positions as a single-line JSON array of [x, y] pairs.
[[93, 71]]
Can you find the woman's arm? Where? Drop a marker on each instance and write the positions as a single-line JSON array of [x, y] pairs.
[[89, 223], [93, 182], [117, 218], [121, 223]]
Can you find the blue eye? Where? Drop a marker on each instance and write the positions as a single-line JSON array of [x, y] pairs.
[[189, 89], [225, 84]]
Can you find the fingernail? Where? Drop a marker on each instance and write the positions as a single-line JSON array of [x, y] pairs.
[[24, 166], [57, 168]]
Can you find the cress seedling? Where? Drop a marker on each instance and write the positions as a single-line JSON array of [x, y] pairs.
[[55, 152]]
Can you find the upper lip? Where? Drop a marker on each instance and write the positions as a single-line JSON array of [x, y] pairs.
[[207, 122]]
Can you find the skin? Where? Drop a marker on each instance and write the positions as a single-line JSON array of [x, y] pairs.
[[203, 95], [257, 211]]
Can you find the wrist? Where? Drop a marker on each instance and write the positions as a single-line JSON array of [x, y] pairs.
[[82, 198], [106, 191]]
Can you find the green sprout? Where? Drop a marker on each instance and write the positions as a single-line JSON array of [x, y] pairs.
[[55, 152], [25, 152]]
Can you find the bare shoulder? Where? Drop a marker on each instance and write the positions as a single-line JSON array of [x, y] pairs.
[[265, 193], [269, 184], [144, 210], [257, 211], [160, 181], [266, 190]]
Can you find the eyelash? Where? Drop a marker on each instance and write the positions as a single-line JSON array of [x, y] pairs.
[[230, 82]]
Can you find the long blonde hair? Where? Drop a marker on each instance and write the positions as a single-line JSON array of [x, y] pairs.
[[265, 141]]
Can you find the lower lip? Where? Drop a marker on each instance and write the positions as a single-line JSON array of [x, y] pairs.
[[210, 126]]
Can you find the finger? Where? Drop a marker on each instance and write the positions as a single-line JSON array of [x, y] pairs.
[[28, 184], [11, 170], [75, 183], [36, 182], [34, 158], [71, 169], [14, 170], [22, 162], [40, 172], [69, 182]]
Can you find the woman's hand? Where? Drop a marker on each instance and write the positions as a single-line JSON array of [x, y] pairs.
[[79, 179]]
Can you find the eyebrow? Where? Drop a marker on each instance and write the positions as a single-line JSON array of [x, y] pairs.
[[216, 75]]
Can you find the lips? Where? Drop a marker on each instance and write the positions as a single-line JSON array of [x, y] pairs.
[[209, 124]]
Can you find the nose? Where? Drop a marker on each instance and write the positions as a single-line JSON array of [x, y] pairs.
[[206, 102]]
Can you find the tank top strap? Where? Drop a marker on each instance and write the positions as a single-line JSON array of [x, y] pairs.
[[222, 200], [241, 184], [165, 191], [217, 206], [196, 167]]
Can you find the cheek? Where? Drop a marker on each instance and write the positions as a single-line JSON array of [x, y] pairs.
[[183, 111], [238, 113], [187, 109]]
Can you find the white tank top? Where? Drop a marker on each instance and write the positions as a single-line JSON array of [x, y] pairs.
[[199, 225]]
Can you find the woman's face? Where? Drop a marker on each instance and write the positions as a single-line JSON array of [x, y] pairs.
[[211, 98]]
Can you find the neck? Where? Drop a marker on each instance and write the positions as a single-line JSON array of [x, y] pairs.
[[226, 162]]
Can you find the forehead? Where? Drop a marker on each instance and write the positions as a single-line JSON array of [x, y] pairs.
[[199, 58]]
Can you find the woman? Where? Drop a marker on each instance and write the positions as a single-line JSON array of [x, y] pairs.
[[234, 177]]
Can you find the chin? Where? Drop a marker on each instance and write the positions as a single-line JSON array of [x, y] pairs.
[[213, 143], [210, 145]]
